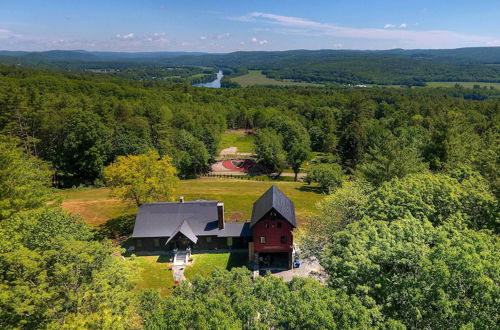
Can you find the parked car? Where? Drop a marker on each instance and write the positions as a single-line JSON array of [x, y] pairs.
[[296, 263]]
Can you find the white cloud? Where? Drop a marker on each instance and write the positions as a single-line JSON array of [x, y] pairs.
[[242, 43], [409, 38], [5, 34], [493, 43], [125, 36], [393, 26], [253, 39], [223, 36], [263, 42], [219, 36]]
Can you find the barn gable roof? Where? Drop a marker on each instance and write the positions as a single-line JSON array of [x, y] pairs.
[[186, 230], [275, 199]]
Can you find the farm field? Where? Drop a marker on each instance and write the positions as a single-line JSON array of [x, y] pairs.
[[255, 77], [466, 84], [204, 264], [97, 207], [237, 138]]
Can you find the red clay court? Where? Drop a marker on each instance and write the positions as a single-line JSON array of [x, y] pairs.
[[238, 164]]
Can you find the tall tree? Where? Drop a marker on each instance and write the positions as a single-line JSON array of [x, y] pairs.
[[269, 150], [143, 179], [24, 181]]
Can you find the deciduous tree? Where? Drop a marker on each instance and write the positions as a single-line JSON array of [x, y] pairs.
[[143, 179]]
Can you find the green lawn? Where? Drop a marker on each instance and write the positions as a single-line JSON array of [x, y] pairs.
[[255, 77], [153, 272], [466, 84], [96, 207], [205, 264], [244, 142], [95, 204]]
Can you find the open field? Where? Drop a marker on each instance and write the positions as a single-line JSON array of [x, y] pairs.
[[204, 264], [153, 272], [238, 139], [255, 77], [96, 207], [466, 84]]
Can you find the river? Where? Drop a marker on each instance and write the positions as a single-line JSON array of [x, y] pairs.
[[212, 84]]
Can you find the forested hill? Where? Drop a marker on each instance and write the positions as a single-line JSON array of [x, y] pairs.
[[80, 122], [397, 66]]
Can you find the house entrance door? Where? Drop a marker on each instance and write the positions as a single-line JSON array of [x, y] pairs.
[[183, 243]]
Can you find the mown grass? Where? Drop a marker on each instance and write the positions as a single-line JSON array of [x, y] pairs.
[[96, 207], [153, 272], [255, 77], [240, 140], [205, 264]]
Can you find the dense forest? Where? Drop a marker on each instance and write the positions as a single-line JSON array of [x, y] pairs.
[[408, 231], [387, 67]]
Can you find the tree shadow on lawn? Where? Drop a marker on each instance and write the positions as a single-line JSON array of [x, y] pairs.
[[313, 189], [237, 259], [118, 228]]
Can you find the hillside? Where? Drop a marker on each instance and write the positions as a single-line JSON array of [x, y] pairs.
[[387, 67]]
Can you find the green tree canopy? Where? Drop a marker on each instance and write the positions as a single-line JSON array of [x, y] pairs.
[[269, 150], [232, 300], [145, 178], [421, 275], [24, 181]]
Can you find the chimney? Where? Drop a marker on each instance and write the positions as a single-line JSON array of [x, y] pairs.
[[181, 199], [220, 214]]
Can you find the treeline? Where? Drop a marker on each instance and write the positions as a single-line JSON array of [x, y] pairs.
[[386, 67]]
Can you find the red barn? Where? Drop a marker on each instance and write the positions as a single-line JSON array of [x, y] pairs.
[[272, 224]]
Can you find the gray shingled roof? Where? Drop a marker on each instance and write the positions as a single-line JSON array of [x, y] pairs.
[[193, 218], [186, 230], [275, 199], [235, 229]]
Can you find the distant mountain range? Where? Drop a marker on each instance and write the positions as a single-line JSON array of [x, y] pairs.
[[394, 66]]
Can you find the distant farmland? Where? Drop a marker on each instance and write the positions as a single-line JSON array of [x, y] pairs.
[[255, 77], [466, 84]]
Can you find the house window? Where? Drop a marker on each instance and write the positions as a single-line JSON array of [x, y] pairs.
[[209, 239], [263, 240], [279, 225], [157, 242], [139, 243], [229, 241], [283, 239]]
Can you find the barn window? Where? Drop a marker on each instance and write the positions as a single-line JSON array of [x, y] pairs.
[[266, 225], [157, 242], [279, 225], [209, 239], [283, 239], [263, 240], [139, 243]]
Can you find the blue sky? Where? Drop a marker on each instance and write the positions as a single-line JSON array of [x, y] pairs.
[[224, 26]]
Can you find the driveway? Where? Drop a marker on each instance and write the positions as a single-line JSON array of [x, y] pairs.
[[308, 268]]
